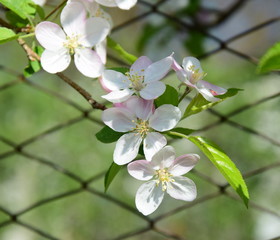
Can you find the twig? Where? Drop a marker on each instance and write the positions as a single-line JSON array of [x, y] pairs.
[[34, 56]]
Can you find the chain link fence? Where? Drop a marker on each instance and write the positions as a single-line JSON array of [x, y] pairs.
[[52, 168]]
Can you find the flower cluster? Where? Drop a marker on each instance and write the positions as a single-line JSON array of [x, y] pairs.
[[85, 27]]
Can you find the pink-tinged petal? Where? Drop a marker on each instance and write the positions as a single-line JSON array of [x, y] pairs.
[[95, 30], [163, 158], [139, 66], [183, 77], [141, 170], [107, 3], [50, 35], [119, 119], [156, 71], [100, 79], [72, 18], [127, 148], [100, 49], [118, 95], [88, 62], [182, 189], [176, 66], [126, 4], [148, 197], [141, 107], [165, 118], [114, 80], [183, 164], [209, 91], [153, 90], [54, 62], [153, 142]]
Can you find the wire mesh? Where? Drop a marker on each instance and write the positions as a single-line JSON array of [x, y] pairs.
[[151, 227]]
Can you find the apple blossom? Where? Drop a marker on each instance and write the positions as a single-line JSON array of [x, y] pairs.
[[94, 10], [143, 123], [165, 174], [192, 74], [143, 79], [122, 4], [79, 36]]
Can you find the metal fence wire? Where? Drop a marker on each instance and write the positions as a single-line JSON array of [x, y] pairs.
[[23, 163]]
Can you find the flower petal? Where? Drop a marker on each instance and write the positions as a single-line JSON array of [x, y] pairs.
[[183, 77], [100, 49], [156, 71], [107, 3], [182, 189], [209, 91], [72, 18], [165, 117], [163, 158], [118, 95], [126, 4], [115, 80], [141, 107], [183, 164], [88, 62], [119, 119], [54, 62], [139, 66], [50, 35], [153, 142], [127, 148], [153, 90], [148, 197], [141, 170], [95, 31], [192, 65]]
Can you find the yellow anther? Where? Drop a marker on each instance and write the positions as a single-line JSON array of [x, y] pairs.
[[137, 81], [163, 177], [72, 43], [196, 74], [142, 127]]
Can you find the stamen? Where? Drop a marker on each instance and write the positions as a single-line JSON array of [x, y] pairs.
[[196, 74], [137, 81], [142, 127], [163, 177], [72, 43]]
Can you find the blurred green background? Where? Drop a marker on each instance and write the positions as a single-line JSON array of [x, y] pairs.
[[62, 135]]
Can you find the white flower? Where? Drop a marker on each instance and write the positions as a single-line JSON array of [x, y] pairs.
[[138, 117], [79, 36], [143, 79], [94, 10], [192, 75], [122, 4], [164, 172]]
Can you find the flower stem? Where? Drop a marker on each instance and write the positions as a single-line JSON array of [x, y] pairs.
[[187, 91]]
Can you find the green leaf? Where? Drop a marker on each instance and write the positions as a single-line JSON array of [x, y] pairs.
[[7, 35], [170, 96], [15, 20], [185, 131], [108, 135], [222, 162], [40, 12], [111, 174], [199, 103], [22, 8], [129, 58], [270, 60]]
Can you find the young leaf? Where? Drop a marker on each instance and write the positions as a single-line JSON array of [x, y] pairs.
[[111, 174], [185, 131], [22, 8], [108, 135], [33, 66], [6, 35], [222, 162], [129, 58], [199, 103], [270, 60], [170, 96], [15, 20]]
